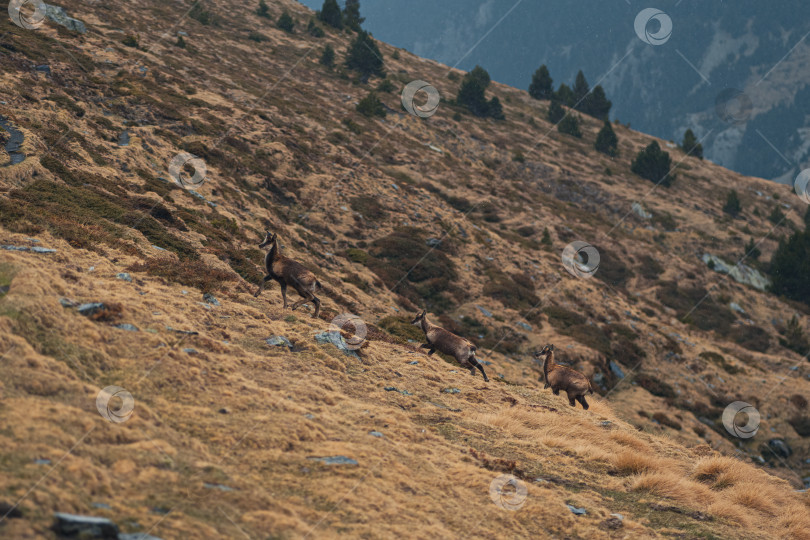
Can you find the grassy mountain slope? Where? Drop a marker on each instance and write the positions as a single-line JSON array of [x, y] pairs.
[[225, 426]]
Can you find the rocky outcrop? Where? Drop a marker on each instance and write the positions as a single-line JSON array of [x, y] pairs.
[[739, 272]]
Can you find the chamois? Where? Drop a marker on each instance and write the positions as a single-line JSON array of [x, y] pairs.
[[560, 377], [447, 342], [289, 272]]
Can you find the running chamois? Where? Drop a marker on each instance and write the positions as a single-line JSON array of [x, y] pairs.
[[289, 272], [560, 377], [439, 339]]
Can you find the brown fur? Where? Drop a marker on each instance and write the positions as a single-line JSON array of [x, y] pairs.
[[289, 272], [574, 383], [439, 339]]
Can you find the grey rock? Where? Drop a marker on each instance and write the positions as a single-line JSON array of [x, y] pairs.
[[376, 434], [413, 363], [395, 389], [44, 68], [123, 138], [91, 308], [780, 448], [484, 311], [126, 326], [220, 487], [87, 526], [190, 350], [279, 341], [615, 369], [42, 461], [433, 242], [60, 17], [451, 390], [208, 298], [103, 506], [124, 276], [640, 212], [524, 325], [739, 272], [137, 536], [335, 460], [34, 249], [335, 339], [577, 511]]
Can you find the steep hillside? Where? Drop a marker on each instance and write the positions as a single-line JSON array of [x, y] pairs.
[[238, 432]]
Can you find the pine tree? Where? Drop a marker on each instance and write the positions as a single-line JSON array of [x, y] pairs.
[[654, 164], [581, 91], [565, 95], [597, 104], [691, 145], [542, 87], [471, 92], [328, 56], [790, 267], [263, 10], [732, 206], [351, 15], [555, 112], [606, 140], [330, 14], [364, 56], [495, 109], [751, 250]]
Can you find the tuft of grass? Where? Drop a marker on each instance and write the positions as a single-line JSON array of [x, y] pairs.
[[191, 273]]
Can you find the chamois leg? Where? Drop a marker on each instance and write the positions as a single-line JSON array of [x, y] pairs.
[[425, 346], [571, 399], [261, 286], [582, 401], [431, 351], [317, 302], [284, 293], [555, 391], [476, 364], [297, 303]]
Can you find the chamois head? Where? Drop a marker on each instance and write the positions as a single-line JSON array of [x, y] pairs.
[[269, 238], [418, 319], [548, 349]]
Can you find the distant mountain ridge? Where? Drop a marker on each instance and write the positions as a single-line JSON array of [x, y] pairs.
[[759, 49]]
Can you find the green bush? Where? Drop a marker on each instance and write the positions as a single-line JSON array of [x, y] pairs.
[[655, 386], [654, 164], [777, 217], [263, 10], [793, 337], [570, 126], [597, 104], [257, 36], [314, 30], [371, 106], [364, 56], [201, 15], [732, 206], [606, 140], [385, 86], [286, 22], [131, 41]]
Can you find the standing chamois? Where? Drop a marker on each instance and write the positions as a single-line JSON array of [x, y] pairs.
[[289, 272], [559, 378], [447, 342]]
